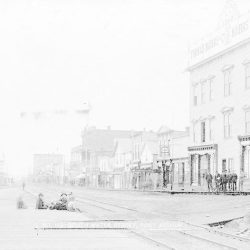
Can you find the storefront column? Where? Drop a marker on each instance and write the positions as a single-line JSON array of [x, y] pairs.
[[199, 169], [208, 163], [242, 158], [190, 163]]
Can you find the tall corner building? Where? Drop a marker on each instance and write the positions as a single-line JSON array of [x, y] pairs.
[[219, 68]]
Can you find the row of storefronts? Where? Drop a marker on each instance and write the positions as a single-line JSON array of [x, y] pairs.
[[219, 136]]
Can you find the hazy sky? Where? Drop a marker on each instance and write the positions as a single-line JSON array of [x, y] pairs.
[[127, 58]]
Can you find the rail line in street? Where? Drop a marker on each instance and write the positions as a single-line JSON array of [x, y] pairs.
[[212, 239]]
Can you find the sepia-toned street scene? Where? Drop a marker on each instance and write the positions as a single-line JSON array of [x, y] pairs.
[[125, 124]]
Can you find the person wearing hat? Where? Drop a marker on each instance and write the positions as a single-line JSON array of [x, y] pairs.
[[40, 204]]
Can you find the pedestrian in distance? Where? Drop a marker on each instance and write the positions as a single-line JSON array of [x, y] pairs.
[[20, 203], [23, 185]]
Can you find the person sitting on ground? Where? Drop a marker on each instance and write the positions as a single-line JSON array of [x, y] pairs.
[[71, 204], [61, 204], [40, 204], [20, 203]]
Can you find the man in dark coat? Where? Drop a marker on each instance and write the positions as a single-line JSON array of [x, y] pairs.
[[209, 179], [230, 181], [217, 179], [224, 179], [234, 181]]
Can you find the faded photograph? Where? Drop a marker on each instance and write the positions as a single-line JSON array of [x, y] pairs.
[[125, 124]]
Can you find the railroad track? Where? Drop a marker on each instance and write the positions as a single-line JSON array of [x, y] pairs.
[[213, 239], [86, 200]]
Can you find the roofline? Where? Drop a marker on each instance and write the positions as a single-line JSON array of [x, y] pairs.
[[221, 53]]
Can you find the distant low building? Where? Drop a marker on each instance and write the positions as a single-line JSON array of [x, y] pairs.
[[141, 141], [76, 168], [96, 144], [122, 163], [173, 157], [48, 167]]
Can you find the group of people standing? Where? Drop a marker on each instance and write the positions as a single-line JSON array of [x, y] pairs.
[[226, 181]]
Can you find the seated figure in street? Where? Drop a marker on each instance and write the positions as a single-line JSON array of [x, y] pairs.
[[40, 204], [20, 203], [61, 204], [71, 204]]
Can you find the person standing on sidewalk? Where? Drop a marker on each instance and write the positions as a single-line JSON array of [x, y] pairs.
[[234, 181], [209, 179]]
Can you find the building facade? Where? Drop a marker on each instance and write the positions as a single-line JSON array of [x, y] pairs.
[[98, 144], [141, 141], [219, 69], [49, 167], [77, 170], [122, 159], [173, 157]]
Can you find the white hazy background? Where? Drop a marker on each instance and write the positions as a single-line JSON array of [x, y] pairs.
[[127, 58]]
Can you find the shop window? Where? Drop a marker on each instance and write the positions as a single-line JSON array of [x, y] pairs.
[[181, 175], [224, 165], [231, 165]]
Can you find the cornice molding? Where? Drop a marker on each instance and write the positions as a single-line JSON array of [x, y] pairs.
[[227, 109]]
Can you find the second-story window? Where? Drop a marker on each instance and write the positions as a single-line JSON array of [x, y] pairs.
[[231, 165], [194, 131], [227, 124], [227, 82], [247, 76], [211, 129], [195, 97], [203, 92], [247, 122], [211, 88], [203, 131]]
